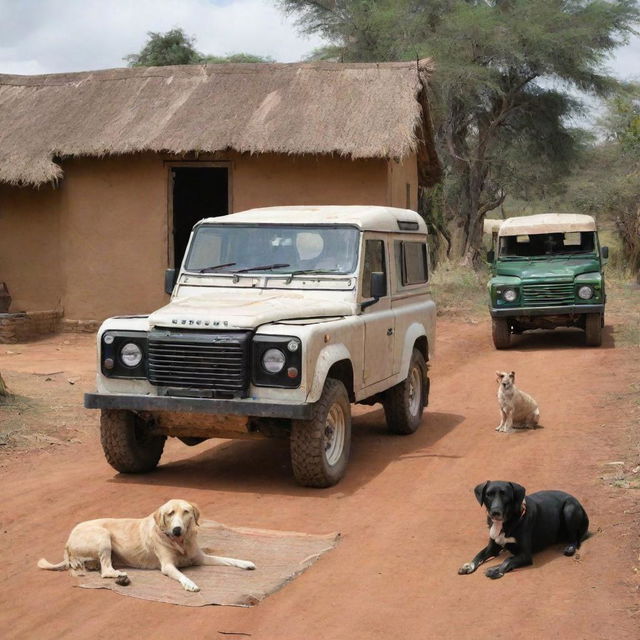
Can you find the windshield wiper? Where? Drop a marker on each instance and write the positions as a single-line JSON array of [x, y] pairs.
[[217, 266], [301, 272], [263, 267]]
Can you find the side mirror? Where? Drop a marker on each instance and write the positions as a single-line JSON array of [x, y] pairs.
[[604, 252], [170, 277], [378, 288], [491, 256]]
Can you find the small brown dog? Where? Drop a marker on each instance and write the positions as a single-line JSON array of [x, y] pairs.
[[164, 540], [517, 408]]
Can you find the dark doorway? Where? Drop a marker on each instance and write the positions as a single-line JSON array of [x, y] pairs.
[[198, 192]]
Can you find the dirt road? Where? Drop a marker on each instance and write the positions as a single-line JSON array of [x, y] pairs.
[[406, 509]]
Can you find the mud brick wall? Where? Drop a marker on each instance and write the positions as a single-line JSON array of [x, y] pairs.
[[22, 327], [84, 326]]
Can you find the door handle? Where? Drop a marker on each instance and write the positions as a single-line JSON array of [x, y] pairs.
[[389, 331]]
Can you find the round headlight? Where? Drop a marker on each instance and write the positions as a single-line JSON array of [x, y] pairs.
[[585, 292], [131, 354], [273, 360], [510, 295]]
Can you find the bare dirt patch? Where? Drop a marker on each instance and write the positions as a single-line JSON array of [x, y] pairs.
[[46, 381]]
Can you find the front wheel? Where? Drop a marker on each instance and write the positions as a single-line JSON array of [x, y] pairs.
[[593, 329], [404, 403], [128, 446], [501, 333], [320, 446]]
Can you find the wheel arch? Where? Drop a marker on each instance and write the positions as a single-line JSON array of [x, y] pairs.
[[422, 345], [415, 338], [333, 361], [343, 371]]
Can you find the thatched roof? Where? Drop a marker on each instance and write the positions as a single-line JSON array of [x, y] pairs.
[[356, 110]]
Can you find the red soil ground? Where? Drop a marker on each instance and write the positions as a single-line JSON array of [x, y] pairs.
[[406, 508]]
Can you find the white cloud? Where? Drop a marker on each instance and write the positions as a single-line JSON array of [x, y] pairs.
[[49, 36]]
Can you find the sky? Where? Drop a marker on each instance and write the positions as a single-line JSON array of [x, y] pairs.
[[51, 36]]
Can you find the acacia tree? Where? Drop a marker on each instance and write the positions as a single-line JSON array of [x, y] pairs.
[[610, 179], [164, 49], [503, 70], [175, 47]]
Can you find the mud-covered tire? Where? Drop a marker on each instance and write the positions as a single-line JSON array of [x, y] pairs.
[[320, 446], [128, 446], [593, 329], [404, 403], [501, 333]]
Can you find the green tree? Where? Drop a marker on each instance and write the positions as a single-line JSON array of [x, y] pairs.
[[621, 122], [164, 49], [609, 180], [236, 57], [175, 47], [503, 68]]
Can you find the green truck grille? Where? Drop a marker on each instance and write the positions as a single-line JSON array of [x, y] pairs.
[[547, 295]]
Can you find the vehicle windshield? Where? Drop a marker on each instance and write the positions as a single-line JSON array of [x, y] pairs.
[[543, 245], [273, 249]]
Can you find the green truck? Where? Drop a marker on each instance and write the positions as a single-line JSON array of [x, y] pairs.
[[547, 271]]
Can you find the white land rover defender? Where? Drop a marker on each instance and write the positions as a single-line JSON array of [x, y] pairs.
[[279, 319]]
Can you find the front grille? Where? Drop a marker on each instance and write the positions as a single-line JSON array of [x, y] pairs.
[[548, 295], [216, 361]]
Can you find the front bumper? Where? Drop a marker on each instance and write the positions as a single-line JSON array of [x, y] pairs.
[[198, 405], [514, 312]]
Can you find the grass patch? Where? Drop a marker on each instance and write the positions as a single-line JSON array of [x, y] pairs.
[[460, 291], [623, 306]]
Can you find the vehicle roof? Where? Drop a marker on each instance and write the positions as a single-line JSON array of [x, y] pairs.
[[547, 223], [492, 225], [367, 218]]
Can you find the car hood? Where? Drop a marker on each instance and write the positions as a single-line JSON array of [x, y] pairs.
[[245, 309], [553, 269]]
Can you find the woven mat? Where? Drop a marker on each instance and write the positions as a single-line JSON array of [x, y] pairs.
[[279, 557]]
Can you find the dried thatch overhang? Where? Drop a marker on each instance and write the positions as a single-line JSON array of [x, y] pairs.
[[352, 110]]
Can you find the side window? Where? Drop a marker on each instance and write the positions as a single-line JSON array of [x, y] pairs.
[[415, 262], [373, 261], [411, 263]]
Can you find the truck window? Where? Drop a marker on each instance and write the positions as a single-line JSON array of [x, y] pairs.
[[411, 263], [295, 246], [374, 260], [547, 244]]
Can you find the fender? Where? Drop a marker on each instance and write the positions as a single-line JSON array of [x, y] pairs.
[[414, 331], [326, 359]]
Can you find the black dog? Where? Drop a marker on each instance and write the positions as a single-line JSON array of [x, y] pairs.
[[526, 525]]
